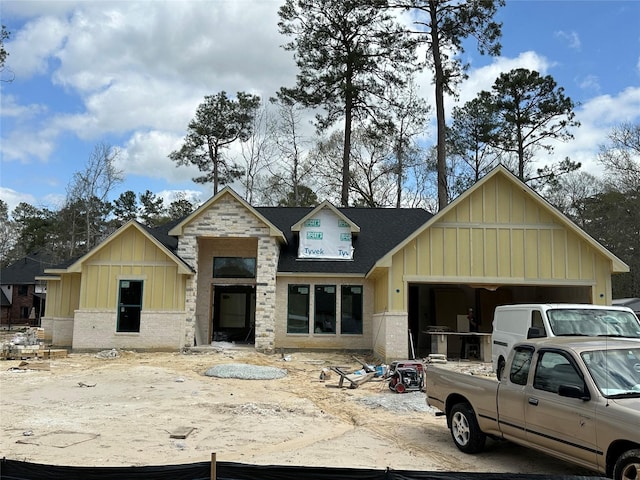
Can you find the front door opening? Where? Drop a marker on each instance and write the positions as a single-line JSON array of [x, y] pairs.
[[234, 313]]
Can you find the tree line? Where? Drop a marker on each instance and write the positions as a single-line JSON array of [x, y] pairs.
[[607, 208], [357, 73]]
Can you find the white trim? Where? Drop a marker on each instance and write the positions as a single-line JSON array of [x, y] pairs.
[[498, 281], [320, 275]]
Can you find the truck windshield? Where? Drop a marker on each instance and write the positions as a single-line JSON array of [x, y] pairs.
[[593, 322], [615, 372]]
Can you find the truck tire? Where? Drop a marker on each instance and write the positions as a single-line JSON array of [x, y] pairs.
[[627, 466], [464, 428]]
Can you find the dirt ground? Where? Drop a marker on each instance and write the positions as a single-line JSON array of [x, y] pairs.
[[89, 411]]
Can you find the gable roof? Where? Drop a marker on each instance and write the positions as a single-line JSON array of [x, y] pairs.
[[354, 228], [179, 227], [25, 270], [76, 266], [381, 229], [618, 266]]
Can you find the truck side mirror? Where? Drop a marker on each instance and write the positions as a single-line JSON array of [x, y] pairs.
[[573, 391], [535, 332]]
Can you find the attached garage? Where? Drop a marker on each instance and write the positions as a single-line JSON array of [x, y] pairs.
[[498, 243]]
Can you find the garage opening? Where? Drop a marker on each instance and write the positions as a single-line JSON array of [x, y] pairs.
[[445, 306]]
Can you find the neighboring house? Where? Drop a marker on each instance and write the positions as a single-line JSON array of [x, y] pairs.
[[324, 277], [23, 297]]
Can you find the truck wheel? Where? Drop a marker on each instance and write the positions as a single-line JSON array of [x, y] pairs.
[[627, 467], [464, 428], [500, 368]]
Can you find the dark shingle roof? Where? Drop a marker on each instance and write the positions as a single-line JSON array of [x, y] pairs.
[[381, 229], [161, 233], [25, 270]]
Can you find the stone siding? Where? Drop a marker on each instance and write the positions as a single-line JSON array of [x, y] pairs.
[[58, 331], [392, 336], [228, 218]]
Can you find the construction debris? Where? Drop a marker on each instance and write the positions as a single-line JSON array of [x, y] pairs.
[[354, 379], [28, 343], [181, 432], [113, 353], [32, 366], [436, 358]]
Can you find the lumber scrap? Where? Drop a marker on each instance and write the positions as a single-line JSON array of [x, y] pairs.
[[354, 379], [181, 432]]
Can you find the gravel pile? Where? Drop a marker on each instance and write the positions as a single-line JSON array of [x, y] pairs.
[[398, 402], [245, 372]]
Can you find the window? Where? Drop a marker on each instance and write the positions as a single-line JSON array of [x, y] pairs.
[[536, 322], [23, 290], [234, 267], [325, 309], [351, 305], [553, 370], [298, 309], [24, 312], [129, 306], [520, 365]]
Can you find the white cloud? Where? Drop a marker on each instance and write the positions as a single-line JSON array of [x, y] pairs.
[[146, 154], [136, 66], [13, 198], [597, 117], [589, 83], [32, 46], [613, 109], [168, 196], [483, 78], [24, 144], [136, 37], [572, 39]]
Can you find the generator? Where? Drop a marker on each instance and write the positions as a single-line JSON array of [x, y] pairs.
[[406, 376]]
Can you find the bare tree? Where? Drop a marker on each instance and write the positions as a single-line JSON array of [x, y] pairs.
[[407, 121], [290, 175], [373, 168], [257, 153], [621, 156], [90, 189], [571, 192]]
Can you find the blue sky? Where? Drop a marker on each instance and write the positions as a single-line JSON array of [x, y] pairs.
[[131, 74]]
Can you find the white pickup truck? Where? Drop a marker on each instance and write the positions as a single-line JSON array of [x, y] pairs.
[[576, 398]]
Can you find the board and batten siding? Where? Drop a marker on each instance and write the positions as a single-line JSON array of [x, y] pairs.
[[63, 295], [500, 235], [132, 256]]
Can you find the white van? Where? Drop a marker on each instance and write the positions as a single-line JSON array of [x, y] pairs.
[[515, 323]]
